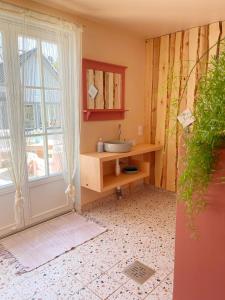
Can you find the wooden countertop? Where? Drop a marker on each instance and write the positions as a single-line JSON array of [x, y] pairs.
[[136, 150]]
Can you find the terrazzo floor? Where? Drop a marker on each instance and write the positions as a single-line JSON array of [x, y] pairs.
[[140, 227]]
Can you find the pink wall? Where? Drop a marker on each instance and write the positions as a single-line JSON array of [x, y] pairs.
[[200, 264]]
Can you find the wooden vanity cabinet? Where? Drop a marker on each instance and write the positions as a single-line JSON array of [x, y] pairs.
[[98, 169]]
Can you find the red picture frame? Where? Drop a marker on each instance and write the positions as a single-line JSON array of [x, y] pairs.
[[102, 114]]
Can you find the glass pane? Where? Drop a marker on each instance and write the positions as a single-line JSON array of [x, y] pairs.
[[5, 178], [35, 157], [53, 110], [29, 63], [4, 124], [50, 64], [55, 152], [4, 163], [2, 77], [32, 111]]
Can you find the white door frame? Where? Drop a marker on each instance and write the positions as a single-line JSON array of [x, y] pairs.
[[53, 181]]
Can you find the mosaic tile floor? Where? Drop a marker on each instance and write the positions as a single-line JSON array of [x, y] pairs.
[[140, 227]]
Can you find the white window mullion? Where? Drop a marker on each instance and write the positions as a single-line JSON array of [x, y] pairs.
[[41, 87], [43, 108]]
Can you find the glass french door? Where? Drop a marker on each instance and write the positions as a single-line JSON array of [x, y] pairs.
[[37, 57]]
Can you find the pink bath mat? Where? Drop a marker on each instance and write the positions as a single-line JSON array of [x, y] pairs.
[[42, 243]]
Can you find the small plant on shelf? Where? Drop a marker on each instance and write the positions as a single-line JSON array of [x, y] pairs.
[[207, 135]]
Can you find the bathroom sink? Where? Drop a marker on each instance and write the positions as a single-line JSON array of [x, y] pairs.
[[117, 146]]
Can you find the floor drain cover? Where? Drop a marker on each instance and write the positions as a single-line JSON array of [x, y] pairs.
[[139, 272]]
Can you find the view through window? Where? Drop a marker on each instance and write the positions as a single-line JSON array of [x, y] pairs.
[[39, 71], [4, 125], [38, 63]]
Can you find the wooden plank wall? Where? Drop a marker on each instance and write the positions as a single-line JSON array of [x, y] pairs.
[[90, 81], [109, 86], [169, 60], [99, 100]]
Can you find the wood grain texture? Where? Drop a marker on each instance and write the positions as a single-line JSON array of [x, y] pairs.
[[173, 109], [183, 93], [222, 44], [148, 89], [202, 59], [99, 100], [161, 106], [156, 52], [136, 150], [174, 57], [90, 81], [117, 90], [184, 71], [96, 176], [193, 53], [202, 51], [214, 34], [108, 90], [169, 90], [155, 79], [91, 173]]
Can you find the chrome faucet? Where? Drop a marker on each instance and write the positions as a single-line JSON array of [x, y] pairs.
[[119, 132]]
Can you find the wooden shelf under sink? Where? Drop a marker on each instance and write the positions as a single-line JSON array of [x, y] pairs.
[[93, 167], [112, 181]]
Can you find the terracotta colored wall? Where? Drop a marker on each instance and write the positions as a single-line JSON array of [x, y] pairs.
[[107, 44], [200, 264]]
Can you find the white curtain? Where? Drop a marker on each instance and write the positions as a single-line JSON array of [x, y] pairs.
[[40, 65], [12, 117], [70, 64]]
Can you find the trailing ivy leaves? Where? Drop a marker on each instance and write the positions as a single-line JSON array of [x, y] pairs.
[[207, 135]]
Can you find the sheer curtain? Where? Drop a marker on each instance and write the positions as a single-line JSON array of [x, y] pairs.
[[40, 66], [70, 64], [12, 123]]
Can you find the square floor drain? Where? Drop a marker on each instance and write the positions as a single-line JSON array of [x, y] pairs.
[[139, 272]]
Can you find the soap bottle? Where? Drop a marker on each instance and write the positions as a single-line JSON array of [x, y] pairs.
[[100, 145]]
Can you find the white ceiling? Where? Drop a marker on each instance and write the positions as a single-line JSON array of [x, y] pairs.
[[146, 18]]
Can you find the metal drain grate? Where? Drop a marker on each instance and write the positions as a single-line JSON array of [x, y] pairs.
[[139, 272]]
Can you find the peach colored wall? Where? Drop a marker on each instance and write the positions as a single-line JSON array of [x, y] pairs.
[[104, 43], [109, 45]]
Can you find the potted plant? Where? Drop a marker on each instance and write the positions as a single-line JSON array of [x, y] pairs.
[[204, 140]]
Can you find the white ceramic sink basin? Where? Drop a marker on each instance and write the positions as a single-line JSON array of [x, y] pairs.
[[117, 146]]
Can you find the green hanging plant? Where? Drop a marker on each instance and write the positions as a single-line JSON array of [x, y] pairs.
[[207, 135]]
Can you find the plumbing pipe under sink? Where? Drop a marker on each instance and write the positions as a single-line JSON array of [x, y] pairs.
[[117, 172], [117, 167], [119, 194]]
